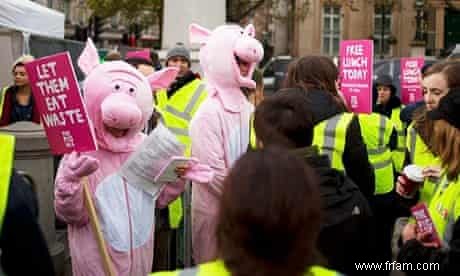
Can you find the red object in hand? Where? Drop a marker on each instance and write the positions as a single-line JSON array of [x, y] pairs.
[[425, 223]]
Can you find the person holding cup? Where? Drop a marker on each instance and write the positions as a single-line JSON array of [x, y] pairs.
[[444, 206], [436, 82]]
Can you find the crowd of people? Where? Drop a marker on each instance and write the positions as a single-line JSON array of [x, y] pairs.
[[301, 186]]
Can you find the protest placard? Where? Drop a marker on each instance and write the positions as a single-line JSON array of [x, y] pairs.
[[62, 112], [411, 90], [356, 63]]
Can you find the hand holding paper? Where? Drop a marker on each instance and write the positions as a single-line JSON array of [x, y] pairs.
[[186, 168]]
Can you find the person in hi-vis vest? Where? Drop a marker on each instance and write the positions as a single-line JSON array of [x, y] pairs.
[[388, 103], [177, 105], [437, 82], [337, 132], [444, 207], [23, 249], [268, 219]]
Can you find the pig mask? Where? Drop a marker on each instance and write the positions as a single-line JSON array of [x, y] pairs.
[[221, 51], [119, 99]]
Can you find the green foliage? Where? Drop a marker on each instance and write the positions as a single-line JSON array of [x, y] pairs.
[[143, 12]]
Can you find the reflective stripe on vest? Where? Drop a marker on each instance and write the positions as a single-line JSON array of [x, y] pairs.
[[330, 136], [398, 154], [376, 131], [252, 133], [421, 156], [6, 168], [176, 113], [444, 208], [2, 99], [217, 268]]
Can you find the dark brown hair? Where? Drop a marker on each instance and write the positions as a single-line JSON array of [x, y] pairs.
[[284, 119], [314, 73], [269, 215]]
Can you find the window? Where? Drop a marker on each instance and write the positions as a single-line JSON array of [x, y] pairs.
[[331, 30], [382, 30]]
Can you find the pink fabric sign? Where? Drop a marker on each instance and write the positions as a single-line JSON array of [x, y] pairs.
[[411, 90], [356, 61], [62, 112]]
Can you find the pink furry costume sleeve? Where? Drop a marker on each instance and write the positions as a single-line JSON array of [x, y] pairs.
[[119, 102], [220, 129]]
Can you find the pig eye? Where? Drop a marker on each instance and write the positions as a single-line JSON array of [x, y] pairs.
[[131, 90], [117, 87]]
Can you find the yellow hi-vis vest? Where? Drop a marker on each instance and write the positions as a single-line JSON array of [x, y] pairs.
[[176, 114], [399, 153], [217, 268], [2, 99], [421, 156], [6, 168], [376, 131], [444, 208], [330, 137], [252, 134]]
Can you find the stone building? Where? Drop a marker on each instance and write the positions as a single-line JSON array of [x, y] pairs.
[[390, 23]]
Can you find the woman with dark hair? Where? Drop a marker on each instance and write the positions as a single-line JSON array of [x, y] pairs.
[[444, 206], [16, 101], [268, 220], [337, 132]]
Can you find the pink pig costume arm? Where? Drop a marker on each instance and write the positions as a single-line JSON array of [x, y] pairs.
[[69, 201], [69, 204], [170, 192]]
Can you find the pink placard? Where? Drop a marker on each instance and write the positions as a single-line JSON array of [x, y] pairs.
[[356, 61], [411, 90], [62, 112]]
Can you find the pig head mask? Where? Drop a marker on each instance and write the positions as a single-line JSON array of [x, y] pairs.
[[118, 99], [222, 50]]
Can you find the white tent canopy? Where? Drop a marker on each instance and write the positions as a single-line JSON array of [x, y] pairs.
[[30, 17]]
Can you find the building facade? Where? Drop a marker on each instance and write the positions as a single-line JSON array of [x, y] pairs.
[[392, 24]]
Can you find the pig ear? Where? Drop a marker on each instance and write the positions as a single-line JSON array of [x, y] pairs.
[[250, 30], [162, 78], [198, 34], [89, 58]]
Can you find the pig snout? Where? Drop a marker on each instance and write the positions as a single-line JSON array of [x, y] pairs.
[[249, 49], [120, 111]]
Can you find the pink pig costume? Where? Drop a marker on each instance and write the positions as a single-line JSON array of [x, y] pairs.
[[220, 129], [116, 96]]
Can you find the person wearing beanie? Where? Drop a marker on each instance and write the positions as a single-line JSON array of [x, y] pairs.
[[141, 60], [388, 104], [177, 106], [16, 101]]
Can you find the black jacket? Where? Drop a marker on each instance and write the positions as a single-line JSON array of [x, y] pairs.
[[448, 261], [23, 247], [355, 159], [347, 226], [180, 82]]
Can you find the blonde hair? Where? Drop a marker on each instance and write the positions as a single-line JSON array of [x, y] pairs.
[[22, 60], [446, 144]]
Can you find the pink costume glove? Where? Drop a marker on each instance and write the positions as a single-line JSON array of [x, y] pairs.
[[198, 173], [80, 166]]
